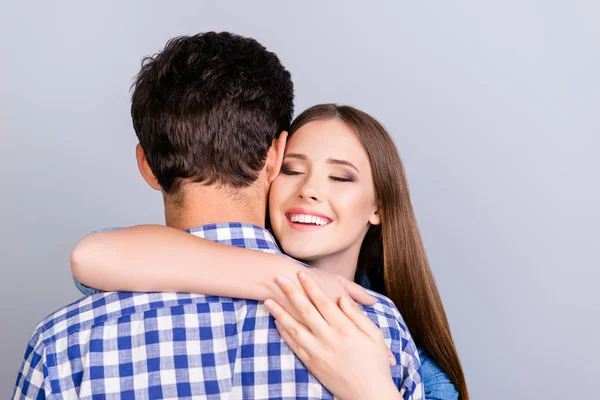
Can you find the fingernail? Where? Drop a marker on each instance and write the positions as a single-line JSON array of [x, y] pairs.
[[269, 304], [392, 361], [344, 301], [277, 325], [282, 280], [302, 276]]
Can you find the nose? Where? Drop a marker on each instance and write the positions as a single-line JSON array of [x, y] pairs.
[[309, 191], [308, 196]]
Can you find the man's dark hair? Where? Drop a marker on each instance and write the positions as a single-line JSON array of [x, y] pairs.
[[207, 108]]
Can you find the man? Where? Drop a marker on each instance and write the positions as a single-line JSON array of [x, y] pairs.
[[209, 112]]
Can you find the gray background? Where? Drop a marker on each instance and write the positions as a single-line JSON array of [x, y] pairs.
[[493, 105]]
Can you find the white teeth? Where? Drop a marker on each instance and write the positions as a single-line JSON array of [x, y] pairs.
[[308, 219]]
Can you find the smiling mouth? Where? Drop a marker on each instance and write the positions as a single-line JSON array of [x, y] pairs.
[[307, 220]]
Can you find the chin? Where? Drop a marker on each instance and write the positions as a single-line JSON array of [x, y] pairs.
[[299, 252]]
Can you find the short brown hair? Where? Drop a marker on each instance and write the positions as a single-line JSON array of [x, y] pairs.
[[207, 108]]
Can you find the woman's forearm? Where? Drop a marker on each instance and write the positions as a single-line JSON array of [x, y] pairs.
[[152, 258]]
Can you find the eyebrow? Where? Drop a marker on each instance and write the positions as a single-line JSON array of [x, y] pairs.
[[295, 155], [329, 160]]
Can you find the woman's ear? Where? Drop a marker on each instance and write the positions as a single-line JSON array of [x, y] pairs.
[[144, 168], [375, 218], [275, 156]]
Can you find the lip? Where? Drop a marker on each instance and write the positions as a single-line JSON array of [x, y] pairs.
[[302, 227]]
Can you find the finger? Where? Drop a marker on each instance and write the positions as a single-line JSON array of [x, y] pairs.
[[391, 357], [301, 333], [359, 294], [328, 309], [298, 350], [367, 326], [356, 315], [308, 313]]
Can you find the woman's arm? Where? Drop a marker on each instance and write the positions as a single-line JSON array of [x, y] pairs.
[[150, 258]]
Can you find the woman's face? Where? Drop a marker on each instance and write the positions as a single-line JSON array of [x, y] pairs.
[[323, 201]]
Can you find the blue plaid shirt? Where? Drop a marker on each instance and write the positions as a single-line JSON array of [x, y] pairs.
[[180, 345]]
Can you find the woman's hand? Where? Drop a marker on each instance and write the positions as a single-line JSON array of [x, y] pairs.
[[339, 345], [334, 285], [337, 286]]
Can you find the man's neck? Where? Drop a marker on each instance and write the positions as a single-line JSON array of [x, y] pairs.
[[202, 205]]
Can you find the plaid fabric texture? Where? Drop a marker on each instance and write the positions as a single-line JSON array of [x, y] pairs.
[[173, 345]]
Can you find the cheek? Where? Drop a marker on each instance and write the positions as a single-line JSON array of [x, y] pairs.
[[278, 195], [354, 206]]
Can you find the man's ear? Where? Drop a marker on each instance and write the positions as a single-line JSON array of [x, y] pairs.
[[275, 157], [144, 168], [375, 218]]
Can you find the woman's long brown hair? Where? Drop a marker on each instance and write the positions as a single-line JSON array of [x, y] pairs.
[[392, 255]]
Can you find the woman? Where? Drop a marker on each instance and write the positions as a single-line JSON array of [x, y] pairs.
[[341, 204]]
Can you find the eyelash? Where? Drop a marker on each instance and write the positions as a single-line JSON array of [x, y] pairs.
[[338, 179], [286, 171]]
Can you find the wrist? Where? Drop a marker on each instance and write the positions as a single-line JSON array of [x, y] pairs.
[[279, 265]]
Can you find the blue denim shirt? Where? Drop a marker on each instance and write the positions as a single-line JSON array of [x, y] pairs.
[[436, 383]]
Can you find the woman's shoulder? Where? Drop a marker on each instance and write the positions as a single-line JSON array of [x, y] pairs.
[[437, 384]]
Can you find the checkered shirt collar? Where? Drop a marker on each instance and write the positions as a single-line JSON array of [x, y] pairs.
[[238, 234]]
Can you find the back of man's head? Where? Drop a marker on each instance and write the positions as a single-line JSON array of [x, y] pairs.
[[207, 108]]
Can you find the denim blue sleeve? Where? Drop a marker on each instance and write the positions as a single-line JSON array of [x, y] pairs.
[[437, 384], [86, 290]]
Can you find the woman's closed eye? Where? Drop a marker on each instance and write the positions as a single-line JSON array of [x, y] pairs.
[[341, 179], [289, 171]]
